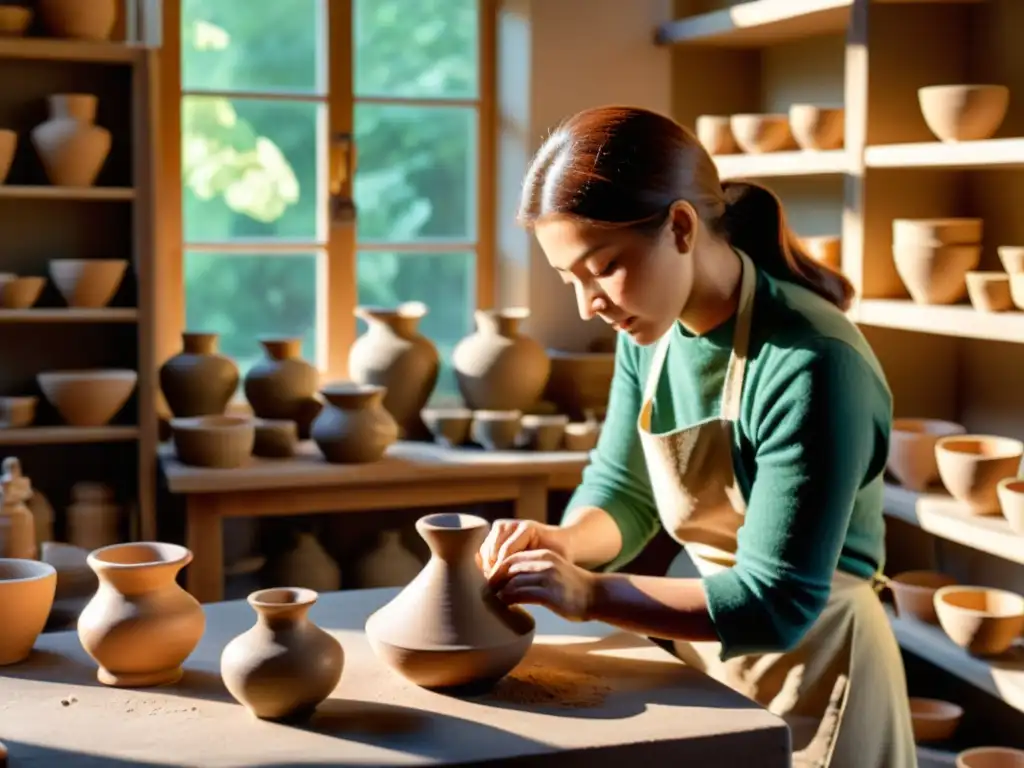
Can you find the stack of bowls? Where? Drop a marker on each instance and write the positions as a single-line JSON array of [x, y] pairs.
[[933, 256]]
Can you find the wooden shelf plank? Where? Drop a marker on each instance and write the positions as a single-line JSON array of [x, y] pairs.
[[1002, 677], [69, 315], [783, 164], [960, 320], [758, 23], [992, 153], [67, 435], [47, 49], [46, 192], [941, 515]]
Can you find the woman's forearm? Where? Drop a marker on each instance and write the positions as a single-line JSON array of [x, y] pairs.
[[591, 537], [656, 606]]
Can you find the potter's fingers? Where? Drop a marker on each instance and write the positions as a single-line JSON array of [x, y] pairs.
[[517, 542], [501, 571], [536, 595], [492, 542]]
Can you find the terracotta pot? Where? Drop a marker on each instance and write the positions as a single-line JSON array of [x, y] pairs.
[[912, 450], [87, 398], [14, 20], [496, 430], [817, 128], [497, 367], [1012, 258], [964, 112], [913, 592], [197, 381], [81, 19], [542, 432], [449, 426], [989, 291], [140, 626], [971, 467], [70, 145], [1010, 491], [20, 292], [579, 382], [984, 622], [354, 427], [285, 665], [395, 355], [935, 274], [27, 588], [93, 517], [220, 442], [757, 134], [826, 249], [8, 144], [283, 385], [990, 757], [936, 232], [446, 629], [715, 134], [88, 283], [934, 719]]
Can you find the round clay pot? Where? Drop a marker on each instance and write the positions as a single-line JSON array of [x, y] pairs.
[[935, 274], [936, 232], [817, 128], [445, 629], [971, 467], [14, 20], [990, 757], [912, 450], [87, 283], [395, 355], [220, 442], [27, 588], [964, 112], [934, 719], [757, 134], [1010, 491], [17, 412], [913, 592], [8, 144], [825, 249], [20, 292], [449, 426], [579, 382], [285, 665], [542, 432], [275, 439], [1012, 258], [70, 145], [79, 19], [140, 626], [983, 621], [989, 291], [197, 381], [714, 132], [354, 427], [497, 367], [283, 385], [496, 430], [87, 398]]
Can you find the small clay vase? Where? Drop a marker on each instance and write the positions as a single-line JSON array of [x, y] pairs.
[[395, 355], [285, 665], [71, 146], [354, 427], [283, 385], [497, 367], [198, 381], [78, 19], [446, 629], [140, 626]]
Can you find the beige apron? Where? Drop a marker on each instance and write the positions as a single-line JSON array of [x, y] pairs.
[[842, 689]]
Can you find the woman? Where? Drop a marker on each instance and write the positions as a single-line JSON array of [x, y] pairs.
[[748, 416]]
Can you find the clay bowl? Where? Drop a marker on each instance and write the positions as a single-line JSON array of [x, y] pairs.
[[1012, 258], [27, 588], [817, 128], [219, 442], [912, 450], [757, 134], [934, 719], [14, 20], [579, 381], [1010, 491], [542, 432], [449, 426], [963, 112], [715, 134], [275, 438], [971, 466], [581, 435], [826, 249], [935, 274], [989, 291], [20, 292], [990, 757], [496, 430], [913, 592], [88, 398], [934, 232], [88, 283], [1017, 289], [17, 412], [983, 621]]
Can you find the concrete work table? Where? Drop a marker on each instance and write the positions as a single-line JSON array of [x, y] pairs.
[[586, 694]]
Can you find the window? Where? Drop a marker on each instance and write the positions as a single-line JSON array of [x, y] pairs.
[[266, 87]]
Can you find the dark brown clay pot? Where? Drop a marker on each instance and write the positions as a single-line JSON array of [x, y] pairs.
[[354, 427], [198, 381], [283, 385]]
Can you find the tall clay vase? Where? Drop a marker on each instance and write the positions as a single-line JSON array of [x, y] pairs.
[[79, 19], [71, 146], [446, 629], [285, 665], [354, 427], [140, 626], [394, 354], [497, 367], [283, 385], [198, 381]]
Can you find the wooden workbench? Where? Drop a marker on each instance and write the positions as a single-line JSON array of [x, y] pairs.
[[622, 699], [410, 475]]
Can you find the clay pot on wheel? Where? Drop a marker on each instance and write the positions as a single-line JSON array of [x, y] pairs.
[[354, 426], [70, 144], [283, 385], [197, 381], [446, 629], [284, 666]]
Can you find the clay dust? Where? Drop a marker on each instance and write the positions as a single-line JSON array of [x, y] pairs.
[[547, 685]]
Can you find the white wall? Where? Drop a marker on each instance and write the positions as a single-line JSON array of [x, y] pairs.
[[556, 57]]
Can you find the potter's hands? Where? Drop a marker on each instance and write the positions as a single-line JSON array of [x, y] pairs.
[[547, 578], [507, 537]]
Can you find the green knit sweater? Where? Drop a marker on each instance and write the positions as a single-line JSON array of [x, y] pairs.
[[809, 453]]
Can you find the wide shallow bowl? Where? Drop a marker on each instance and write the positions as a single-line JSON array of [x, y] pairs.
[[87, 283], [20, 292], [88, 398], [934, 719], [17, 412], [990, 757], [912, 450], [963, 112], [27, 588], [971, 467], [220, 442], [913, 592], [981, 620]]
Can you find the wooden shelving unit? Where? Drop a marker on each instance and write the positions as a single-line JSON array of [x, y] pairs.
[[949, 362], [113, 219]]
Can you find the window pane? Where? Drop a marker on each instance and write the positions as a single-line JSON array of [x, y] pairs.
[[445, 282], [416, 48], [415, 173], [245, 296], [252, 45], [249, 169]]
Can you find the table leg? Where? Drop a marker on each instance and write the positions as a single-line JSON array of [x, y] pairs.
[[204, 535], [532, 503]]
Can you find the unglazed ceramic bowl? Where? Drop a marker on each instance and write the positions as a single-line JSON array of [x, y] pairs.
[[817, 128], [934, 719], [935, 274], [913, 592], [449, 426], [1010, 492], [963, 112], [936, 232], [88, 398], [912, 450], [17, 412], [989, 291], [982, 621], [27, 588], [20, 292], [88, 283], [1012, 258], [971, 467], [220, 442], [990, 757], [715, 134], [757, 134], [496, 430], [542, 432], [581, 435]]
